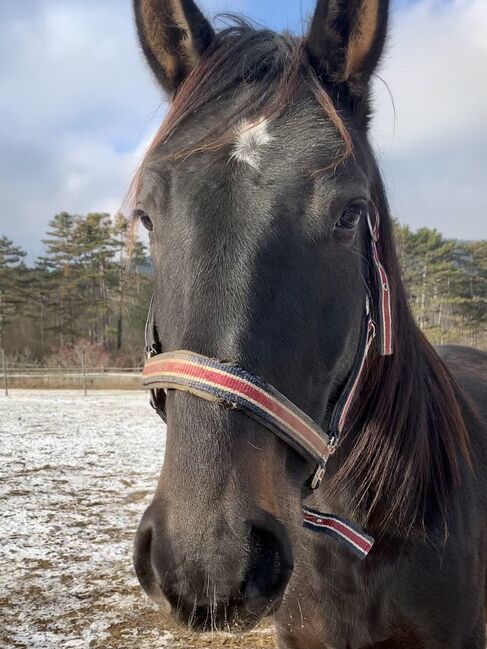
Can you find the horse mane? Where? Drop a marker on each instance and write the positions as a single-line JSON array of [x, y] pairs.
[[411, 442], [406, 457]]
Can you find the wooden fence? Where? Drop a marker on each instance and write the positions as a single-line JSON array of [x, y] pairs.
[[83, 378]]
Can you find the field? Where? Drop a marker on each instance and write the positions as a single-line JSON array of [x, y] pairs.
[[76, 473]]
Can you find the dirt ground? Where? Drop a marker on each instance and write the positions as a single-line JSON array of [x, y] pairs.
[[76, 474]]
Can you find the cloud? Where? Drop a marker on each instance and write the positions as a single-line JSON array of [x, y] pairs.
[[436, 60], [434, 149], [79, 105], [79, 110]]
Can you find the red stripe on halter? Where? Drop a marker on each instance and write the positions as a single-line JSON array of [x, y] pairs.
[[162, 368], [341, 529], [356, 540]]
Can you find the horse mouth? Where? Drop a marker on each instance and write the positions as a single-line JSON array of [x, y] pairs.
[[235, 617]]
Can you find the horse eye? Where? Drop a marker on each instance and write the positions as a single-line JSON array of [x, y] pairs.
[[144, 218], [350, 218]]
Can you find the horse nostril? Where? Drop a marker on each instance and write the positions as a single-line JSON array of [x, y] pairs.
[[270, 565], [142, 557]]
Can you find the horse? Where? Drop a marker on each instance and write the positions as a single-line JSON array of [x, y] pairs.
[[273, 247]]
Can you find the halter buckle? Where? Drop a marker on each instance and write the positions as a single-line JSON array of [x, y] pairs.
[[318, 476], [150, 352], [321, 470]]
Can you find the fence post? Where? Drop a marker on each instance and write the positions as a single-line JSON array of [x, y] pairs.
[[83, 365], [4, 366]]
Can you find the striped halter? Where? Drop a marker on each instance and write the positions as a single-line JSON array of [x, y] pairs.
[[232, 386]]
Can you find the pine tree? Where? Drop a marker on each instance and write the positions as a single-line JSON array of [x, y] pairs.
[[62, 258], [12, 270], [472, 292], [96, 249], [131, 255], [440, 275]]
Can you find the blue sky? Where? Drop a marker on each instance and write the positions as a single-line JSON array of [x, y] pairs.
[[78, 107]]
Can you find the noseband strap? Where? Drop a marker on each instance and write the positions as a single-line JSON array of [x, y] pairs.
[[231, 386]]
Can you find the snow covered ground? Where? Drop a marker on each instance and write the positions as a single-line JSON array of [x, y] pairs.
[[76, 474]]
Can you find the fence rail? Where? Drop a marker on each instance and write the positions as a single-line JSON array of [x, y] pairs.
[[83, 377]]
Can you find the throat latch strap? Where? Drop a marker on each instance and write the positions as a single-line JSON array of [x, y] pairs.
[[340, 529]]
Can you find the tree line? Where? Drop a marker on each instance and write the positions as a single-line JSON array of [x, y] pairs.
[[446, 281], [84, 297]]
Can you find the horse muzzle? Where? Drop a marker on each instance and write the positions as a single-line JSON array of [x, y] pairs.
[[220, 583]]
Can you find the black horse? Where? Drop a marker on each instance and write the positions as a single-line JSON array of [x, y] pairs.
[[257, 192]]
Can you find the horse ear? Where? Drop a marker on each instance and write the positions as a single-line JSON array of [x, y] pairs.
[[173, 35], [346, 40]]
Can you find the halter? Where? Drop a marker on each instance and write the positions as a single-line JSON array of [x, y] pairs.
[[232, 386]]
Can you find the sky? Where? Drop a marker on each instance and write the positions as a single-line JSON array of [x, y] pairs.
[[78, 107]]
